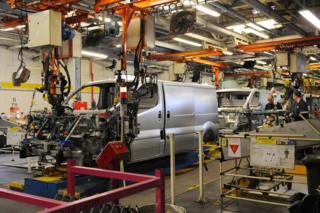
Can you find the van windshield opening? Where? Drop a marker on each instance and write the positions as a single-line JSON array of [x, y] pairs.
[[148, 95], [233, 98]]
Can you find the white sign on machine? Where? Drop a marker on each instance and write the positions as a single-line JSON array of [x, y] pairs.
[[234, 147], [15, 137]]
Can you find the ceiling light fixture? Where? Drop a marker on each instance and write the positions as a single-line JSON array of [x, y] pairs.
[[7, 29], [228, 53], [260, 34], [93, 54], [207, 10], [307, 14], [313, 58], [20, 26], [237, 28], [269, 24], [107, 19], [254, 26], [261, 62], [187, 42]]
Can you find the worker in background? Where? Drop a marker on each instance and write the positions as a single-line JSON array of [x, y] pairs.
[[299, 107], [271, 105]]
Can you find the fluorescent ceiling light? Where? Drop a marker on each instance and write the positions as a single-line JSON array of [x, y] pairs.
[[95, 27], [187, 42], [20, 26], [120, 23], [107, 19], [237, 28], [118, 45], [228, 53], [313, 58], [269, 24], [207, 10], [7, 29], [93, 54], [254, 26], [260, 34], [84, 24], [261, 62], [307, 14], [265, 52]]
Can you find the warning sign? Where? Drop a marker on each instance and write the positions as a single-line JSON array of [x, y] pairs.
[[234, 147]]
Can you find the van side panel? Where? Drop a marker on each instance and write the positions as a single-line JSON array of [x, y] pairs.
[[180, 115], [147, 144], [206, 111]]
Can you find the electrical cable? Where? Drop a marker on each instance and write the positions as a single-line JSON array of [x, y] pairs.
[[65, 67]]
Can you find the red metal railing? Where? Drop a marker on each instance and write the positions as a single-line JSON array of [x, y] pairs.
[[141, 183]]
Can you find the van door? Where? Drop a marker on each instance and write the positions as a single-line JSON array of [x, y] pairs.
[[179, 115], [150, 117]]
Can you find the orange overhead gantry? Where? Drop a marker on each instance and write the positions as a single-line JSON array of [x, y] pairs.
[[278, 45], [41, 4], [313, 66], [197, 56], [127, 11]]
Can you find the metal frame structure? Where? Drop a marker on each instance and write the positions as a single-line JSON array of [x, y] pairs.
[[283, 44], [141, 183], [196, 56], [278, 177]]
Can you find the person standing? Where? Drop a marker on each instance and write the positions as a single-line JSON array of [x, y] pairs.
[[299, 107]]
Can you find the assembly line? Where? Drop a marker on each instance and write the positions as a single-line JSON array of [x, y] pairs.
[[159, 106]]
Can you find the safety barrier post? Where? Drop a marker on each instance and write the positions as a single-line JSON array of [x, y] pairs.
[[71, 182], [201, 158], [160, 194], [172, 168]]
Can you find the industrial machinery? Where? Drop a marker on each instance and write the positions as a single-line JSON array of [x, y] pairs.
[[265, 162], [83, 134]]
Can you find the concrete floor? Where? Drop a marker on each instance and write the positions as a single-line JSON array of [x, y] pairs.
[[186, 187]]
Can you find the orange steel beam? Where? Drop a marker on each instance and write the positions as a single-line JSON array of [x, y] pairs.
[[313, 66], [151, 3], [101, 3], [41, 5], [247, 74], [299, 42], [127, 12], [185, 55], [126, 18], [215, 71], [140, 4], [206, 62]]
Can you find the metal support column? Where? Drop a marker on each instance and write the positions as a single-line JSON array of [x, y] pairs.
[[71, 181], [77, 75], [160, 194], [172, 168], [201, 158]]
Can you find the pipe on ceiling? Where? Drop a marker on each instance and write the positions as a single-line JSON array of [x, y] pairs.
[[269, 12], [212, 27]]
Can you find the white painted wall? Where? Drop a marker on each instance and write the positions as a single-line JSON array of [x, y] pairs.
[[9, 64]]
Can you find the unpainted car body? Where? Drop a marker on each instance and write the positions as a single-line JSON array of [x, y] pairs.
[[235, 103]]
